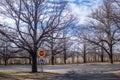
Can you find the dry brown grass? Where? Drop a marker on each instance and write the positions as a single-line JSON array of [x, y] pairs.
[[25, 75]]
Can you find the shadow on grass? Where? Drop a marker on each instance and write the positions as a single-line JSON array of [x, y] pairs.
[[23, 75], [72, 75], [3, 74]]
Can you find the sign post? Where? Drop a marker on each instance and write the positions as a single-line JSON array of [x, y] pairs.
[[41, 54]]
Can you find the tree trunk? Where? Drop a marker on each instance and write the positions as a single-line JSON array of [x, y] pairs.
[[77, 59], [102, 53], [5, 62], [84, 58], [84, 54], [111, 58], [29, 60], [111, 54], [52, 59], [95, 58], [65, 57], [72, 59], [102, 57], [34, 62]]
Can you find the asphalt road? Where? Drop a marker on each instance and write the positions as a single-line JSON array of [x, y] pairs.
[[93, 68]]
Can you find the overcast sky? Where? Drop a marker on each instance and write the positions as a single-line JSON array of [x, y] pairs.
[[82, 8]]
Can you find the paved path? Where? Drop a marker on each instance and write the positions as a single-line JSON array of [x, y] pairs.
[[70, 72], [84, 68], [87, 76]]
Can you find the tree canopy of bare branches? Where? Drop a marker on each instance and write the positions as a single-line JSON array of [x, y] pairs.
[[104, 30], [33, 22]]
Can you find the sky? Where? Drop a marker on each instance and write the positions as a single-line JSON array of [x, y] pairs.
[[82, 8]]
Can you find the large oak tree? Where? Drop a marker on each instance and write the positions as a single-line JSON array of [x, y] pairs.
[[33, 22]]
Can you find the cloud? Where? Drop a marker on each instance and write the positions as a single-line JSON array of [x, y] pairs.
[[6, 21], [82, 8]]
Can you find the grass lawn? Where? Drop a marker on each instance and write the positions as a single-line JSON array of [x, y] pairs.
[[25, 75]]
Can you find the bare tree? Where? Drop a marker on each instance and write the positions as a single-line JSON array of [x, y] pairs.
[[57, 45], [58, 40], [54, 45], [116, 13], [66, 43], [4, 44], [33, 22], [103, 22]]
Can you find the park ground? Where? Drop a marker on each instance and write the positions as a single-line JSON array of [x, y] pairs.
[[25, 75], [63, 72]]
